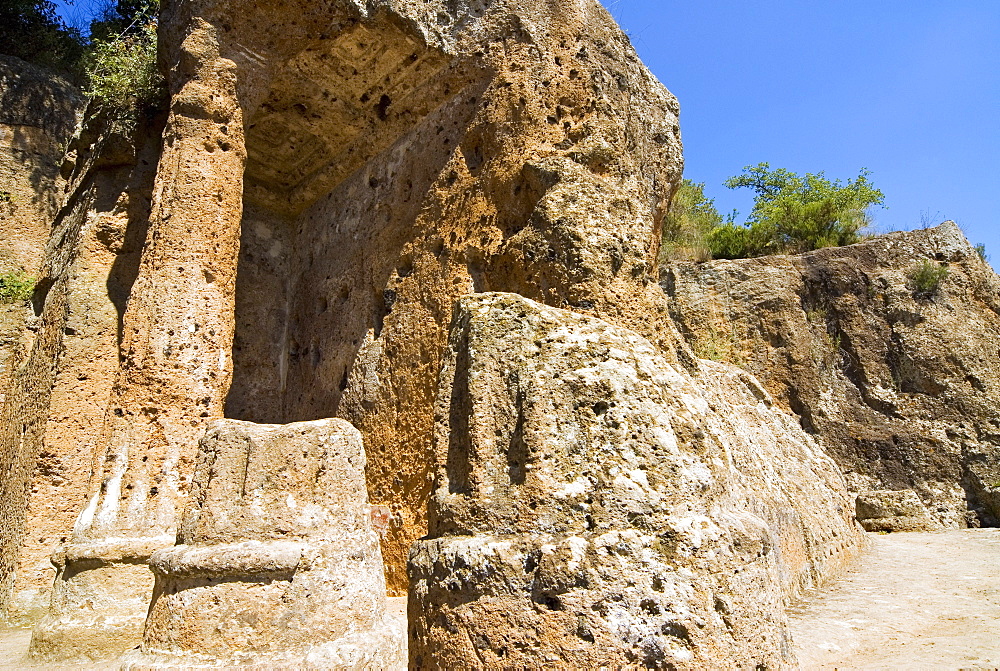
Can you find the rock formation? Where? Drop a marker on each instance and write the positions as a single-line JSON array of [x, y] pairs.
[[597, 506], [899, 383], [892, 511], [286, 244], [378, 161], [277, 561]]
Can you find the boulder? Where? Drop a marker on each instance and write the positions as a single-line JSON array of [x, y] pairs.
[[278, 562], [893, 511], [598, 506]]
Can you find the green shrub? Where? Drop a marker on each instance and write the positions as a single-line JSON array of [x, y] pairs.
[[16, 286], [123, 75], [795, 214], [981, 250], [926, 278], [689, 221]]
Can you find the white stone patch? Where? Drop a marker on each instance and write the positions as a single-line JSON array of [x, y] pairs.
[[577, 549], [576, 488]]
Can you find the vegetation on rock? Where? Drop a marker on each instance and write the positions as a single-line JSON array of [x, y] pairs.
[[690, 220], [791, 214], [795, 214], [16, 286], [123, 75], [926, 277], [116, 63]]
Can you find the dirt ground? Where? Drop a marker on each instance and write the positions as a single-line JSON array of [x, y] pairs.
[[915, 601]]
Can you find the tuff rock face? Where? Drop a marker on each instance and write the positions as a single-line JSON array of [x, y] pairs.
[[596, 505], [41, 487], [330, 179], [277, 561], [900, 384], [287, 243]]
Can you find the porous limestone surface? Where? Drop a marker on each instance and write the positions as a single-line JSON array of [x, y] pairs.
[[914, 601], [327, 180], [57, 393], [277, 563], [900, 385], [597, 506]]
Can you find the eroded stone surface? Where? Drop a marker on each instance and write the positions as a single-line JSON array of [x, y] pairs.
[[597, 506], [38, 114], [892, 511], [278, 562], [58, 391], [902, 387]]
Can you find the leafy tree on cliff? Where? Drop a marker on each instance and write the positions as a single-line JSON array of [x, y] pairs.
[[118, 19], [794, 214], [31, 30]]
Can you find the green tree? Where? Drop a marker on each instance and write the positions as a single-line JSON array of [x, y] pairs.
[[31, 30], [795, 214], [123, 18]]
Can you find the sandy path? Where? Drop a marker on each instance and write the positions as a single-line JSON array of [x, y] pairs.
[[915, 601]]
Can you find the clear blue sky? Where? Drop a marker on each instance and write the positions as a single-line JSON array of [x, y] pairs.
[[909, 89]]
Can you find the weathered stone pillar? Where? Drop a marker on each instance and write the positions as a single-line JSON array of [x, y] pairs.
[[175, 363], [277, 563]]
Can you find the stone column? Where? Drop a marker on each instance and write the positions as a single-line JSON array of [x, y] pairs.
[[175, 364], [278, 564]]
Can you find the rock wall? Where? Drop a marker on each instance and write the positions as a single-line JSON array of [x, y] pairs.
[[901, 386], [288, 244], [58, 392], [382, 159], [490, 153], [38, 114]]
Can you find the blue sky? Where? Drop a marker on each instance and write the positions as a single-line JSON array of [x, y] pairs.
[[909, 89]]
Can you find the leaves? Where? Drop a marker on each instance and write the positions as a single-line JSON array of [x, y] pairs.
[[16, 286], [794, 214], [31, 30], [688, 223], [123, 74]]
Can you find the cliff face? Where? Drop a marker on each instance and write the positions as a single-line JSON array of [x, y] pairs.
[[58, 392], [289, 244], [598, 505], [901, 384], [38, 115]]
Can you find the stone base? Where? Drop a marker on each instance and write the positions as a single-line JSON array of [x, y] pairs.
[[383, 647], [279, 564], [99, 601]]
